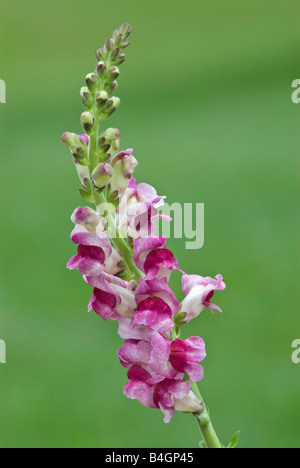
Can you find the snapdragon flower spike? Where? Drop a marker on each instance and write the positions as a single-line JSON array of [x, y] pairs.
[[156, 305], [198, 291], [146, 309], [153, 258]]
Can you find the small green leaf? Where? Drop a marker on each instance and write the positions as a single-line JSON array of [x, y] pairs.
[[234, 440]]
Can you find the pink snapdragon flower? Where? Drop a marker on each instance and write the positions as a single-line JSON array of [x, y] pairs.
[[198, 291], [152, 356], [153, 258], [93, 251], [137, 213], [112, 297], [164, 358], [99, 254], [140, 193], [185, 356], [168, 395], [156, 305]]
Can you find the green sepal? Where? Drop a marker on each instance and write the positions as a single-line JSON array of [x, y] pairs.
[[179, 317], [87, 196]]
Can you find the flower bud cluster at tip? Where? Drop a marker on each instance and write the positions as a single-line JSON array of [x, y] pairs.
[[100, 104], [97, 96]]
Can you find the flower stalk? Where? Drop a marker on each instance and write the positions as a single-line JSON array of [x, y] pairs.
[[125, 261]]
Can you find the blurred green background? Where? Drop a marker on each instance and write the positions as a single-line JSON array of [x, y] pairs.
[[206, 104]]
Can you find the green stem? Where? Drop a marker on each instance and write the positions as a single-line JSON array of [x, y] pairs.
[[209, 435]]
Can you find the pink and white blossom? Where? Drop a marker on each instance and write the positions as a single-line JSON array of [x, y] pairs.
[[93, 251], [185, 356], [198, 291], [112, 297], [153, 258], [156, 305], [168, 395]]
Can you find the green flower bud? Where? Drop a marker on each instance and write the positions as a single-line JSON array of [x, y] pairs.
[[109, 44], [111, 87], [77, 147], [107, 138], [113, 103], [101, 54], [120, 59], [102, 175], [124, 44], [124, 30], [86, 97], [115, 52], [101, 69], [70, 139], [92, 82], [88, 122], [101, 99], [117, 37], [113, 74], [112, 150]]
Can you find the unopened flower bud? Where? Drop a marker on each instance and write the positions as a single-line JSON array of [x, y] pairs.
[[108, 137], [70, 139], [102, 175], [101, 54], [92, 82], [111, 87], [77, 146], [109, 143], [125, 30], [189, 404], [86, 97], [124, 44], [120, 59], [101, 69], [86, 217], [115, 52], [124, 164], [112, 150], [113, 73], [112, 105], [88, 122], [101, 99], [109, 45]]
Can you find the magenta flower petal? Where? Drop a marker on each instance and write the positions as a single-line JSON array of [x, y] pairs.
[[153, 258], [134, 352], [185, 356]]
